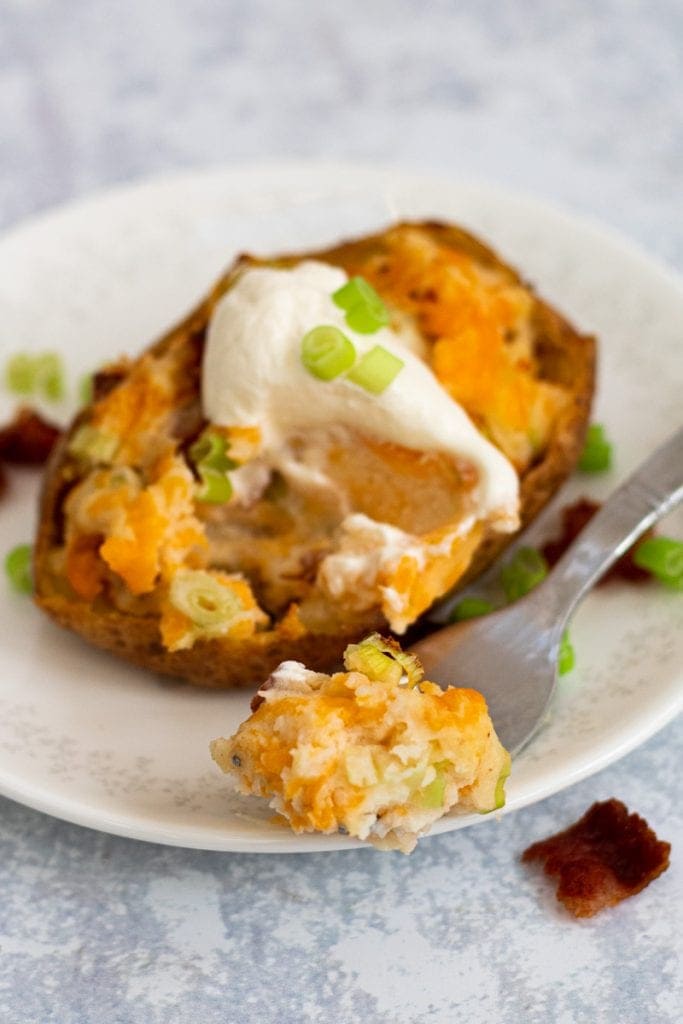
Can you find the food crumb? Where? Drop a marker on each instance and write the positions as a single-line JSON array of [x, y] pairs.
[[574, 518], [605, 857], [28, 439]]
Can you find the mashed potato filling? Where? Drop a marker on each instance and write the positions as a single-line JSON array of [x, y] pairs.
[[374, 751]]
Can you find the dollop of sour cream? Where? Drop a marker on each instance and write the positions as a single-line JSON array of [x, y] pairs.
[[253, 376]]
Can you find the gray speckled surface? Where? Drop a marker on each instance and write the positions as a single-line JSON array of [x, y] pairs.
[[577, 101]]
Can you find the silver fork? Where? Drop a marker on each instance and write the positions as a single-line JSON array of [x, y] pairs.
[[511, 655]]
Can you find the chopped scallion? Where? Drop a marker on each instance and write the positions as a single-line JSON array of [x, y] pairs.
[[565, 656], [499, 791], [93, 445], [203, 599], [357, 296], [365, 311], [525, 571], [366, 658], [86, 389], [18, 568], [20, 374], [376, 370], [663, 557], [326, 352], [215, 488], [50, 376], [367, 319], [210, 458], [383, 660], [597, 452], [355, 290], [26, 374], [432, 795], [499, 795], [470, 608]]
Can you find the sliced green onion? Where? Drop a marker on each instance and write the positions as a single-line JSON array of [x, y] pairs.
[[215, 488], [499, 791], [597, 452], [93, 445], [471, 608], [210, 450], [18, 568], [365, 311], [376, 370], [366, 319], [326, 352], [86, 389], [523, 573], [355, 291], [362, 657], [209, 455], [25, 374], [565, 657], [20, 374], [432, 796], [663, 557], [203, 599], [499, 795], [50, 376]]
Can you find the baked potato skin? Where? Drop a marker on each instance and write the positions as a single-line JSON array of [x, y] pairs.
[[564, 356], [214, 664]]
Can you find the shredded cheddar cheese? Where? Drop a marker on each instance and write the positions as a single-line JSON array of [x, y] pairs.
[[478, 327], [146, 532]]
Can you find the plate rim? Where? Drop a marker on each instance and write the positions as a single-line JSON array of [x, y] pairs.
[[122, 191]]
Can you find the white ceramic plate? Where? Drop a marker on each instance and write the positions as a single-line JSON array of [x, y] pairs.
[[89, 739]]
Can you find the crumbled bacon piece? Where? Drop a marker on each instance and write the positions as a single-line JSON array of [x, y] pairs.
[[105, 380], [605, 857], [574, 518], [28, 439], [257, 700]]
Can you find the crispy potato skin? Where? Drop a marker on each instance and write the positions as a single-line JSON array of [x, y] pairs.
[[216, 664], [564, 356]]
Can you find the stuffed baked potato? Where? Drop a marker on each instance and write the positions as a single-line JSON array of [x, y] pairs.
[[146, 551]]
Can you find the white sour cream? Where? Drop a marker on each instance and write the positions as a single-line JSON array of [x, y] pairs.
[[252, 376]]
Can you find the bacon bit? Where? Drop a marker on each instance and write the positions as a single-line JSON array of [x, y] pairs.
[[601, 860], [308, 567], [28, 439], [574, 518], [109, 377], [258, 699]]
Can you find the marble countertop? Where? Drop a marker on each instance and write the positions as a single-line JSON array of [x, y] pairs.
[[576, 101]]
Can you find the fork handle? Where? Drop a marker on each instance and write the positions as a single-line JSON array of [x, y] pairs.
[[654, 489]]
